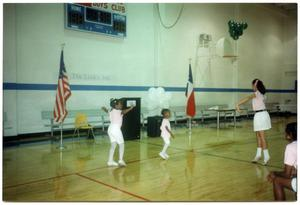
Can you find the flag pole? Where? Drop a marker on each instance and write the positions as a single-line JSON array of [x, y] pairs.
[[190, 118], [61, 146], [190, 125]]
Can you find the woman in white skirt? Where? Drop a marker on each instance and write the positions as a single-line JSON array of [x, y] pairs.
[[262, 119], [114, 131]]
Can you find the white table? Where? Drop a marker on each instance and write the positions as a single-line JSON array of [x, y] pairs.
[[224, 111]]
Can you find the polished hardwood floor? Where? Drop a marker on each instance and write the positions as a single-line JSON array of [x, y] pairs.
[[208, 165]]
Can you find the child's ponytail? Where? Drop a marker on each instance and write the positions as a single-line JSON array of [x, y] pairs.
[[259, 85]]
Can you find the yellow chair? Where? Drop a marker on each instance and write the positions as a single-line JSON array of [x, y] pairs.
[[81, 123]]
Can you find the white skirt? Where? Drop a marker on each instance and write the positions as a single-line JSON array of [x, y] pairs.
[[115, 134], [262, 121]]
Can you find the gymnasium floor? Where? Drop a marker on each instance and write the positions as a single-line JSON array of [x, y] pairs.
[[211, 165]]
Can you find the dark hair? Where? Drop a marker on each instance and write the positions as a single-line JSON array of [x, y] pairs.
[[291, 130], [259, 85], [163, 111], [114, 102]]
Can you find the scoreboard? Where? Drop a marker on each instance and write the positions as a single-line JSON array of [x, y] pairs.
[[104, 18]]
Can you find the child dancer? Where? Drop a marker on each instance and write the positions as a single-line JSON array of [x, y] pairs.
[[288, 177], [114, 131], [165, 132], [262, 119]]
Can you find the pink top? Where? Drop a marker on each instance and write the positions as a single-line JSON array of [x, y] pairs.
[[116, 117], [258, 102], [165, 123], [290, 154]]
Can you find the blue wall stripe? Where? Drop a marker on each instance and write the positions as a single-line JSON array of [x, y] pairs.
[[109, 88], [9, 86], [29, 86]]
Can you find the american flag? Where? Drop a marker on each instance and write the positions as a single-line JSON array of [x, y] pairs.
[[63, 92], [189, 93]]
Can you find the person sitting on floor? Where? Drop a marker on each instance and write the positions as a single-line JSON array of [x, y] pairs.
[[288, 177]]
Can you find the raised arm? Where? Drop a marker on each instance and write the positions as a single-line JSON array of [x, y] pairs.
[[243, 101], [127, 110], [105, 109]]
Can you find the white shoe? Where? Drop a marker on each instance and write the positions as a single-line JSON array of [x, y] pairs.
[[122, 163], [166, 155], [266, 161], [255, 160], [162, 155], [112, 164]]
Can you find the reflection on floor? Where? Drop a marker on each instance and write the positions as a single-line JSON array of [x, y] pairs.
[[209, 165]]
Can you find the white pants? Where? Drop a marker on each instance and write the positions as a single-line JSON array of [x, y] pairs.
[[261, 121], [166, 139], [115, 134]]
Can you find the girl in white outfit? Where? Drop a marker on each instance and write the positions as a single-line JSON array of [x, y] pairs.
[[288, 177], [165, 132], [262, 119], [114, 131]]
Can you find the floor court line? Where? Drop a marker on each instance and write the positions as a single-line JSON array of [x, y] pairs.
[[134, 161], [240, 160], [208, 154], [35, 181], [113, 187], [236, 143], [129, 162], [218, 156], [213, 155], [40, 180]]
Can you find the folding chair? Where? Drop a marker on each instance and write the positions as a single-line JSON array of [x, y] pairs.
[[81, 123]]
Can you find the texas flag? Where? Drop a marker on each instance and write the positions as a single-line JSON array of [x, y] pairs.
[[189, 93]]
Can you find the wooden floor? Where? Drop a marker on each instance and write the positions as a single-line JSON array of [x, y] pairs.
[[210, 165]]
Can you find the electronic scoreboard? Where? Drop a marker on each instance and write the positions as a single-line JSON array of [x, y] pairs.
[[104, 18]]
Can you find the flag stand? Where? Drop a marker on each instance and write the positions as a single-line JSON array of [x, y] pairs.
[[61, 146], [191, 109], [63, 89]]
